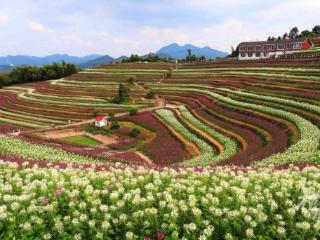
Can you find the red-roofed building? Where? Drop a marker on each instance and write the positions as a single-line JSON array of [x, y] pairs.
[[100, 121]]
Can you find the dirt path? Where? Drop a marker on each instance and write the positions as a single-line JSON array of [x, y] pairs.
[[145, 158], [90, 121]]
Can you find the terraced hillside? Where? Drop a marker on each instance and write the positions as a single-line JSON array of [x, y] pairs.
[[75, 98], [245, 114], [215, 113], [168, 182]]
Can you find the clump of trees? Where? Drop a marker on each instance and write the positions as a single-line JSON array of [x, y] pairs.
[[149, 58], [26, 74], [192, 57], [4, 79], [295, 33], [234, 52], [123, 93]]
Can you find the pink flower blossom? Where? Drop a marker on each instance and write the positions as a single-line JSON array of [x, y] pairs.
[[147, 238], [57, 192], [160, 235], [44, 201]]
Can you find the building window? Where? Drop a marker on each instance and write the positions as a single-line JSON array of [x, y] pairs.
[[297, 46], [249, 54], [258, 48], [280, 46], [265, 54], [243, 48], [243, 54], [266, 47], [289, 46], [250, 48], [258, 54], [274, 47]]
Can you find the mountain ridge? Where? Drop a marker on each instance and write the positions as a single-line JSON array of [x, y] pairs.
[[18, 60], [172, 50], [180, 51]]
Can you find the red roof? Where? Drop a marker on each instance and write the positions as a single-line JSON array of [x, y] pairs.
[[99, 118]]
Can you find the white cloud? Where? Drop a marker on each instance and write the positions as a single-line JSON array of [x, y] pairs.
[[226, 34], [206, 4], [3, 18], [38, 27], [290, 10], [178, 34], [125, 27], [220, 36]]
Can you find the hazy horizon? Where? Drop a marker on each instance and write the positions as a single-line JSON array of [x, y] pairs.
[[117, 28]]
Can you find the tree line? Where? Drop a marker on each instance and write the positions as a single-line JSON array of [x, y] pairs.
[[190, 57], [295, 33], [26, 74], [149, 58]]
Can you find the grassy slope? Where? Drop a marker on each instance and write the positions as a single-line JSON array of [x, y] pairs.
[[81, 140]]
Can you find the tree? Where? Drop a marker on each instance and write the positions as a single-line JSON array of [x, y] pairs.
[[285, 36], [189, 52], [306, 33], [235, 52], [25, 74], [294, 32], [135, 132], [270, 39], [202, 58], [123, 93], [316, 30], [151, 94]]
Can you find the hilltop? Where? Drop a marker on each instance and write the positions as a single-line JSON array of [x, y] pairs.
[[18, 60], [176, 51]]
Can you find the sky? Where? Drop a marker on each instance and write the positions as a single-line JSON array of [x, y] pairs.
[[123, 27]]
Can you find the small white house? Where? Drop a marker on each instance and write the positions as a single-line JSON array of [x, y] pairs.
[[101, 121]]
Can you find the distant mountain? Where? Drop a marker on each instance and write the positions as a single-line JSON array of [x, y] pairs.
[[96, 62], [5, 68], [176, 51], [19, 60]]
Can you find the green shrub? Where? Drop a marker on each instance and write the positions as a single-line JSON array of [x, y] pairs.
[[111, 117], [151, 94], [131, 80], [133, 111], [135, 132], [105, 131], [114, 126], [96, 112], [91, 129]]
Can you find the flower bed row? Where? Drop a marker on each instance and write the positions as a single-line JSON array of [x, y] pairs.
[[165, 148], [230, 147], [263, 137], [207, 152], [146, 204], [306, 149], [21, 123], [300, 105], [23, 149]]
